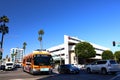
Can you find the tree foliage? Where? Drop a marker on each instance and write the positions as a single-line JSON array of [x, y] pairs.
[[24, 46], [40, 33], [117, 55], [107, 54], [84, 50]]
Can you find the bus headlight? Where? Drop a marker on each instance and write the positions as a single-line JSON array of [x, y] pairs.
[[34, 69]]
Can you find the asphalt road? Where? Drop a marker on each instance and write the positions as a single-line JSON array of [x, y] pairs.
[[20, 75]]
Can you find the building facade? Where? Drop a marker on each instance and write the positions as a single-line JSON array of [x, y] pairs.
[[66, 52], [17, 55]]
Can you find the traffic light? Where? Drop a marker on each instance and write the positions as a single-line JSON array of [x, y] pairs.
[[113, 43]]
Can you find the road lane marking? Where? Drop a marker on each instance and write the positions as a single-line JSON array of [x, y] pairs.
[[25, 79]]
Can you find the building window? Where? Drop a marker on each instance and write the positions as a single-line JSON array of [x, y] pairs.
[[56, 50]]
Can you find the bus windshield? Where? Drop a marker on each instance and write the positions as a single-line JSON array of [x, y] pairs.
[[40, 59]]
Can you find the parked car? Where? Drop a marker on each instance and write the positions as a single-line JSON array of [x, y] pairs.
[[103, 66], [2, 67], [68, 68], [17, 65], [8, 65]]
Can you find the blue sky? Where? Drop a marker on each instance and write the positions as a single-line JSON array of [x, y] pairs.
[[96, 21]]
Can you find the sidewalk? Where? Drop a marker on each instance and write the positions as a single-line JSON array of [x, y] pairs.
[[116, 77]]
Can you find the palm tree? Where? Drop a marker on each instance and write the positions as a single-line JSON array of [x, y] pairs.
[[24, 46], [4, 30], [41, 33], [4, 19]]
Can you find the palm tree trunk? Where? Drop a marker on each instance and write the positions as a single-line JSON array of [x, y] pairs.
[[41, 45], [1, 53], [24, 52], [2, 40]]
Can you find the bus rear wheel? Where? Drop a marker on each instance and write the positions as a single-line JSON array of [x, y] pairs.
[[23, 69]]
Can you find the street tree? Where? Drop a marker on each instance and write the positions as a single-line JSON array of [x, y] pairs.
[[117, 56], [107, 54], [40, 38], [24, 47], [3, 29], [6, 56], [84, 50]]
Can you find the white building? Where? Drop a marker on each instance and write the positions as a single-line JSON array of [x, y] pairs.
[[18, 55], [66, 52]]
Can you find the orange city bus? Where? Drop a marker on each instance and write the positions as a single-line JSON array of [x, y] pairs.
[[38, 61]]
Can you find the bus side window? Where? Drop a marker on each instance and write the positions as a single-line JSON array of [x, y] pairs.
[[28, 62]]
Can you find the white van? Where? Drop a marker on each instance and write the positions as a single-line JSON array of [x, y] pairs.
[[9, 65]]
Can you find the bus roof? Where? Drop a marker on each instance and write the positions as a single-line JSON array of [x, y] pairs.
[[37, 52], [41, 52]]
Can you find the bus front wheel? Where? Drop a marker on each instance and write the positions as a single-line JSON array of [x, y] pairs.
[[50, 72], [31, 71]]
